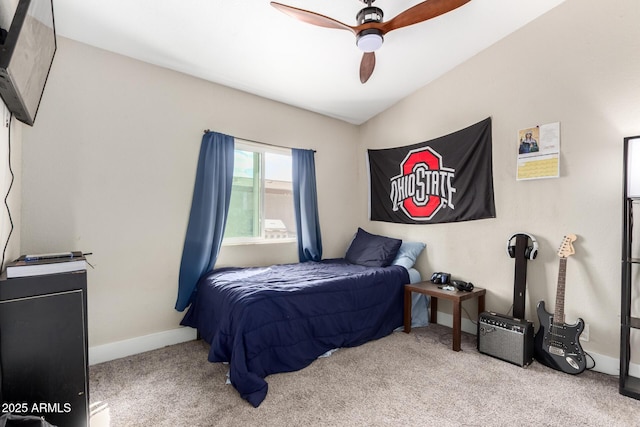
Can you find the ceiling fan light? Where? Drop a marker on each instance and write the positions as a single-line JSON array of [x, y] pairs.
[[369, 41]]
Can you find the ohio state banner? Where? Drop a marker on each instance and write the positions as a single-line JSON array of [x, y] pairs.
[[447, 179]]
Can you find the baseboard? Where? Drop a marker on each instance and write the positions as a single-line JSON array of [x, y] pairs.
[[605, 364], [466, 325], [116, 350], [119, 349]]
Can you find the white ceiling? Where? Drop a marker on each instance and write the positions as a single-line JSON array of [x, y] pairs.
[[251, 46]]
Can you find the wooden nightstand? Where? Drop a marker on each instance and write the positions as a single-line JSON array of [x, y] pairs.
[[434, 292]]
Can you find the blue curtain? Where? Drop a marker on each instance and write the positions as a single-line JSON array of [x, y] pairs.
[[305, 200], [209, 208]]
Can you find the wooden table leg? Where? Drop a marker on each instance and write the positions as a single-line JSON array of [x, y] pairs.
[[434, 310], [457, 325], [407, 311], [433, 292]]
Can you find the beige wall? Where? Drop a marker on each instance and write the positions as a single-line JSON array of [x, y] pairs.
[[109, 168], [10, 160], [578, 65], [10, 141]]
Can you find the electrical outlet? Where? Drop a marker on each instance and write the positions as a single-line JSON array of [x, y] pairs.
[[584, 336]]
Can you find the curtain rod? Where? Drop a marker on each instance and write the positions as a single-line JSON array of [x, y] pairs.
[[258, 142]]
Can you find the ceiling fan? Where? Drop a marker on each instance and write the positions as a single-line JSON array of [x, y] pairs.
[[370, 30]]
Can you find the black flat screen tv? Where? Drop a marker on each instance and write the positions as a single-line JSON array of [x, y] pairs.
[[26, 57]]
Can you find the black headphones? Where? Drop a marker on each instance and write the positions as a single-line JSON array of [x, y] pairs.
[[531, 252], [462, 286]]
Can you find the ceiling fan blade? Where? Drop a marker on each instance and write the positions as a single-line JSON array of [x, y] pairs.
[[312, 17], [421, 12], [367, 65]]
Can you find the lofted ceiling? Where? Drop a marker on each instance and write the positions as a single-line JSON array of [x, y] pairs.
[[251, 46]]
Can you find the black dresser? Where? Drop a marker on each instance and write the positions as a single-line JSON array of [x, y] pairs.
[[43, 347]]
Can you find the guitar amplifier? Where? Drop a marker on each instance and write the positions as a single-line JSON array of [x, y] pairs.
[[505, 338]]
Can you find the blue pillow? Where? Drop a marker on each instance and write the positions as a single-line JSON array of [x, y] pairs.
[[372, 250], [408, 253]]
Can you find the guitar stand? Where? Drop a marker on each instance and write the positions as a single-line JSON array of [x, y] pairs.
[[504, 337], [520, 276]]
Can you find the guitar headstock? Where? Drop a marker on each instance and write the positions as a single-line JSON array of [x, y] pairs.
[[566, 247]]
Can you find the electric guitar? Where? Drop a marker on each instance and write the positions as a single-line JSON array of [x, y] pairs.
[[557, 344]]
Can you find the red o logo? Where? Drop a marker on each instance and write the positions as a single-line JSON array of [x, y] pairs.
[[425, 159]]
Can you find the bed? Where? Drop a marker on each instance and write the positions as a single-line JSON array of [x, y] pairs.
[[265, 320]]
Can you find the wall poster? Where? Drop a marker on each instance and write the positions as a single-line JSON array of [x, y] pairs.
[[539, 152]]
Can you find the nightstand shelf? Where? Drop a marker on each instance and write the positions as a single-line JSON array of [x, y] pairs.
[[630, 387], [456, 297]]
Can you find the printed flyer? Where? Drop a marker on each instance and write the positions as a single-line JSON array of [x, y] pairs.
[[539, 152]]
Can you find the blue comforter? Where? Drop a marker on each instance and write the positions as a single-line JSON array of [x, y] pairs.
[[266, 320]]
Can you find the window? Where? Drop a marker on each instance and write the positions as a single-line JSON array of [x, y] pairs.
[[261, 208]]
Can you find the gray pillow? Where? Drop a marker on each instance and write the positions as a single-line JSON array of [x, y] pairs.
[[408, 253]]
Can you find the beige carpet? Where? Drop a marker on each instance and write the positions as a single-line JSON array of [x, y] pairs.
[[399, 380]]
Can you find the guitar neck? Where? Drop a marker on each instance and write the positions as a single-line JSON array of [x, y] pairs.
[[562, 275]]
